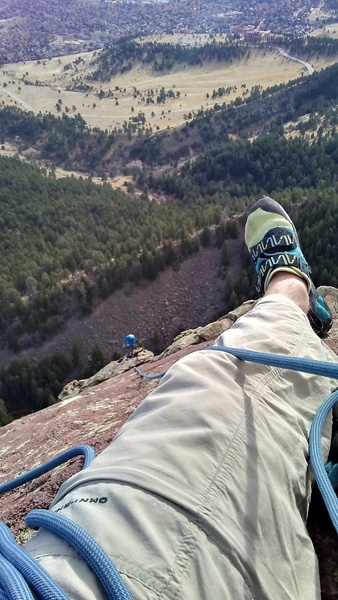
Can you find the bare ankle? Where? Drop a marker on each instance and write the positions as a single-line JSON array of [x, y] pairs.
[[292, 286]]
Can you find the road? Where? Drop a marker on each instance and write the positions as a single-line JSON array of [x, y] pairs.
[[302, 62], [17, 99]]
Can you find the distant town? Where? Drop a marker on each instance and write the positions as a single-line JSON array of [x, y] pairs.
[[38, 30]]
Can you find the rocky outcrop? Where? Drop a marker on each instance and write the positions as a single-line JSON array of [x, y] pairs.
[[112, 369], [92, 411]]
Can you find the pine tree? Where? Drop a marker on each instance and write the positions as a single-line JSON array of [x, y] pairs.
[[225, 257], [98, 360], [5, 417], [229, 285], [156, 339], [206, 237]]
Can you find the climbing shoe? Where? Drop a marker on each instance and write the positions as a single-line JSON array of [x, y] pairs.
[[273, 245]]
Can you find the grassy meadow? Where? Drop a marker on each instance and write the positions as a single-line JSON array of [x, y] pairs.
[[48, 81]]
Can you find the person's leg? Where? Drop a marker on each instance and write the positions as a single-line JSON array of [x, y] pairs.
[[206, 487]]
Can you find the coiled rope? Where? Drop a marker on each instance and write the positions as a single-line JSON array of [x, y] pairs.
[[20, 574]]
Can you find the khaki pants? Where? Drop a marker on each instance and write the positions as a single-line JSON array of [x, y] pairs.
[[204, 492]]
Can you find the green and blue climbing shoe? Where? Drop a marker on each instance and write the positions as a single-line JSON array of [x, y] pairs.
[[273, 245]]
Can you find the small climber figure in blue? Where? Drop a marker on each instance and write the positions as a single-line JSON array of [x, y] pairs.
[[129, 342]]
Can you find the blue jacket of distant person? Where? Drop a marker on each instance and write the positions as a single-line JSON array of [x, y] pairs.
[[129, 342]]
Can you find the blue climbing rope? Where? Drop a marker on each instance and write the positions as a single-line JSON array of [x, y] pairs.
[[89, 549], [20, 574], [304, 365], [292, 363], [82, 450], [146, 376], [25, 568], [323, 481]]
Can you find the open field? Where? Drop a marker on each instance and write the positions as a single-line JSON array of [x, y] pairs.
[[48, 81], [329, 30]]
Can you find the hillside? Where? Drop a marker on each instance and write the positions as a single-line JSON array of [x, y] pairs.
[[241, 99], [93, 411], [182, 297], [69, 244], [109, 96], [73, 251], [149, 85]]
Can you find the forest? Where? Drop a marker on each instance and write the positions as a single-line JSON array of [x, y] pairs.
[[120, 57], [67, 244], [68, 241], [311, 45]]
